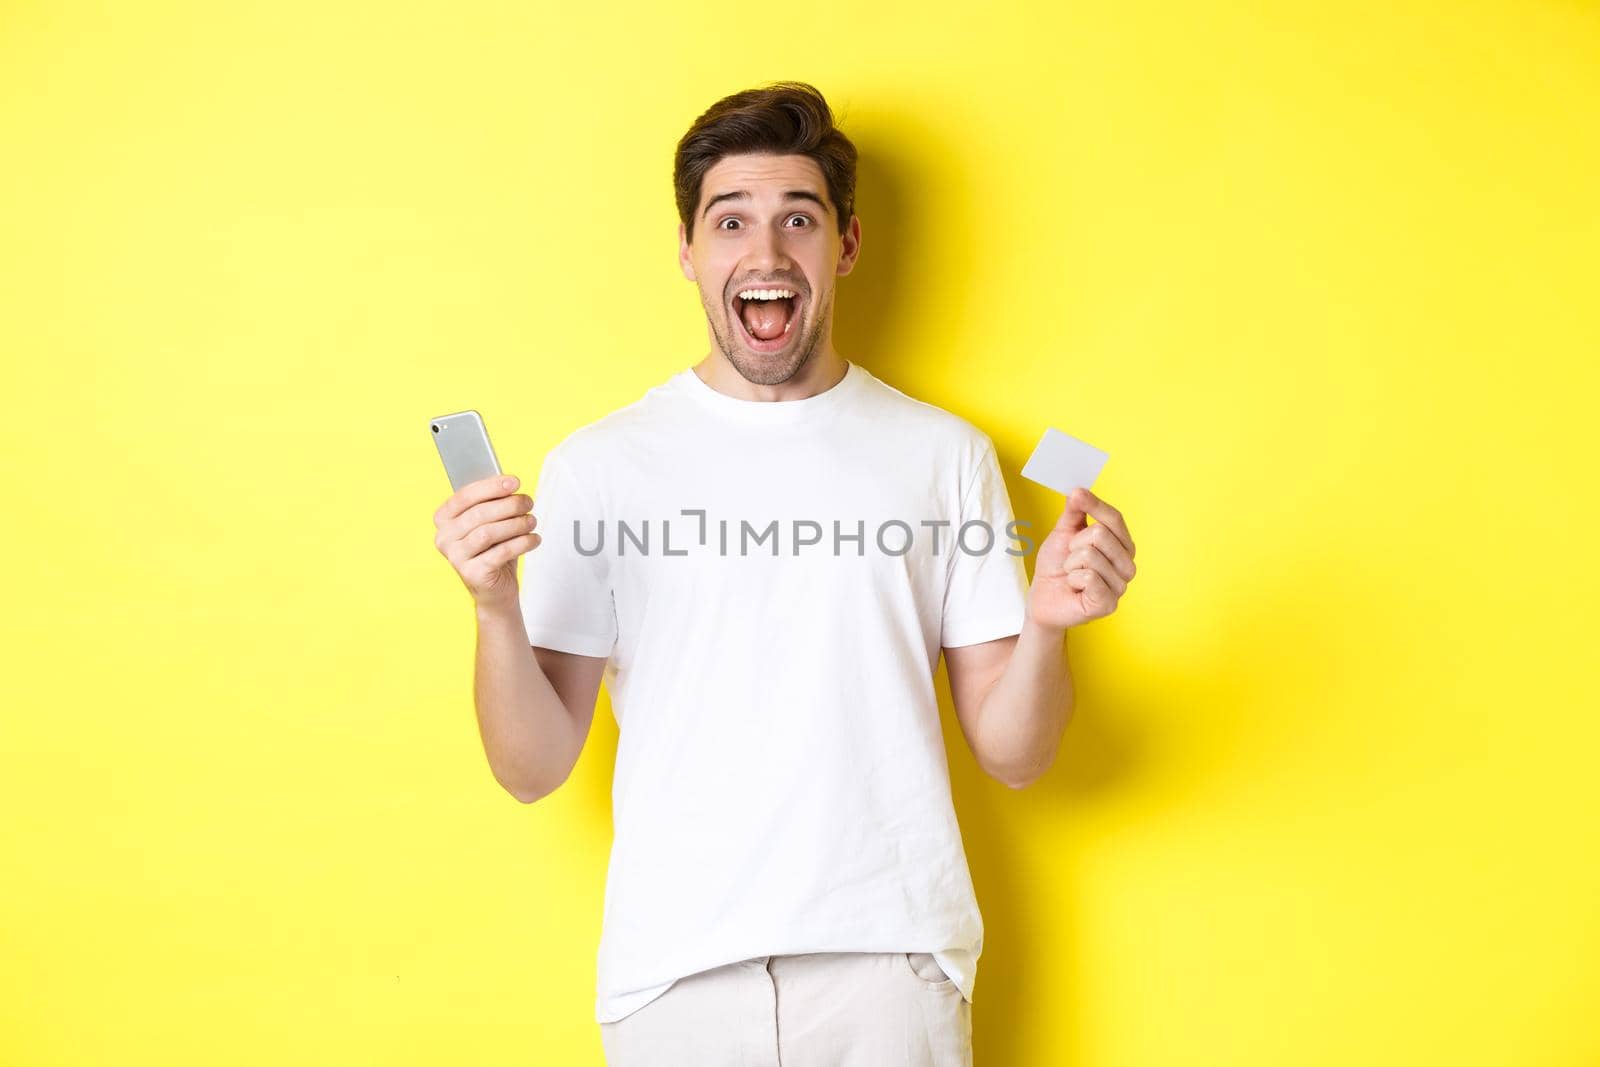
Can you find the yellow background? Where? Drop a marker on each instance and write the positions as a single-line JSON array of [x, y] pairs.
[[1320, 277]]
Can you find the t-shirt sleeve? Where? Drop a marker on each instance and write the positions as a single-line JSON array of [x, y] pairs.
[[565, 595], [986, 595]]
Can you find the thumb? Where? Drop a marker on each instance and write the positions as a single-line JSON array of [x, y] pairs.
[[1075, 516], [1053, 551]]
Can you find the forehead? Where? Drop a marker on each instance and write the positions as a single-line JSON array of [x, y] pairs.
[[762, 175]]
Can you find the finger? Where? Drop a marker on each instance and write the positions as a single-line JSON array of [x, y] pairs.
[[1099, 593], [1079, 578], [498, 507], [1090, 504], [503, 507], [485, 537], [1052, 550], [1107, 542], [1072, 516], [495, 485], [1092, 559], [506, 551]]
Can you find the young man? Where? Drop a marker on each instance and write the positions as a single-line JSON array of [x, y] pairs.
[[763, 556]]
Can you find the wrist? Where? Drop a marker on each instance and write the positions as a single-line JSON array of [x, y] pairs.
[[1044, 631], [497, 610]]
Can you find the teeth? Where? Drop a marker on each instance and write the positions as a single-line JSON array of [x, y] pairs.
[[766, 294]]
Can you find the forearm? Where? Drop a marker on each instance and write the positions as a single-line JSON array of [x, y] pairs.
[[1026, 710], [529, 736]]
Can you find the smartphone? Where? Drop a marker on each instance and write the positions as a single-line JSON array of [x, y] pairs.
[[464, 446]]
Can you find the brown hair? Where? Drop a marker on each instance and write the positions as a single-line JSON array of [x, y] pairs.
[[783, 118]]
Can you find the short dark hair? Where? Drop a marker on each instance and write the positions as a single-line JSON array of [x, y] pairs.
[[782, 118]]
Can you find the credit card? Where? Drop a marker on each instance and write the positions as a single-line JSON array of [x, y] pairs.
[[1062, 462]]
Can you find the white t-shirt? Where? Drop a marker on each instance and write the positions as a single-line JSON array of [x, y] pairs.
[[781, 783]]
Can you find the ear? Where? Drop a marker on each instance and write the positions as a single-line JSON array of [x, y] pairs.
[[684, 262], [849, 246]]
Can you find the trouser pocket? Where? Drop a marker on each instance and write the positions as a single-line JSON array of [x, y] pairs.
[[924, 966]]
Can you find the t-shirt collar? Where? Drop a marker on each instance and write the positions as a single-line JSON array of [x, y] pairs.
[[771, 411]]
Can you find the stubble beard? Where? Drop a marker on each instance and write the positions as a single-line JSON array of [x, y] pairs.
[[767, 370]]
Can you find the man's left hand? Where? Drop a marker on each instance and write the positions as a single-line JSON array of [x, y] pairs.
[[1081, 571]]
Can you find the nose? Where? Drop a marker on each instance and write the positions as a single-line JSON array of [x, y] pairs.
[[767, 258]]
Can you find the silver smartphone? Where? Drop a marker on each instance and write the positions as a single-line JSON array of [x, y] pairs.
[[464, 446]]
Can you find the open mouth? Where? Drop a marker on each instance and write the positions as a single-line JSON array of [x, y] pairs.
[[767, 317]]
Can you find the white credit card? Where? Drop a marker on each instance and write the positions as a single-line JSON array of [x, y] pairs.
[[1062, 462]]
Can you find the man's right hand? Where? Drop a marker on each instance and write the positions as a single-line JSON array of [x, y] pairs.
[[483, 527]]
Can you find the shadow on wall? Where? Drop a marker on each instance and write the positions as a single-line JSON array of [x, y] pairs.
[[872, 296], [1189, 731], [867, 300], [1102, 754]]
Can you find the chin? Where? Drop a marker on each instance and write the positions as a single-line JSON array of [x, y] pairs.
[[765, 370]]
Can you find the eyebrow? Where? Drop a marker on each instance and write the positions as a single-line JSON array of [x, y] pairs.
[[743, 194]]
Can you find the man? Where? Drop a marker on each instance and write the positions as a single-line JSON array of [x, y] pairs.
[[763, 556]]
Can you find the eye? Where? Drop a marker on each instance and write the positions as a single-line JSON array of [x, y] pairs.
[[806, 217], [728, 218]]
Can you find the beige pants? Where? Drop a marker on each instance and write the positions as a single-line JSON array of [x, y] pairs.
[[821, 1009]]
